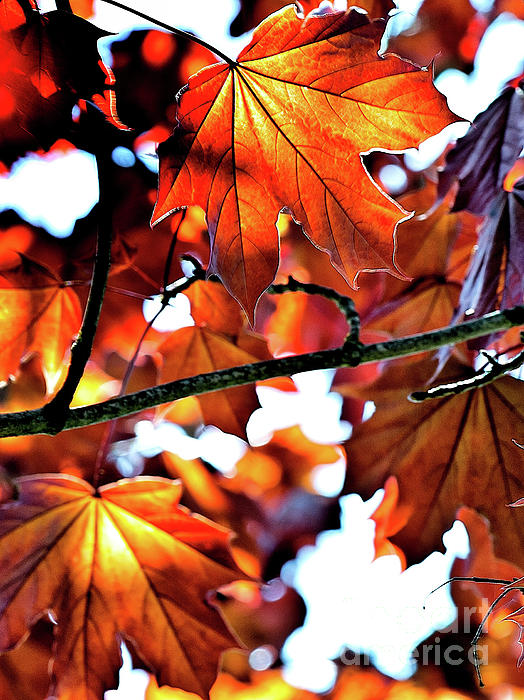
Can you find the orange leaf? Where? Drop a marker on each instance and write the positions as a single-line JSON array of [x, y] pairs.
[[434, 249], [124, 561], [389, 518], [268, 684], [213, 307], [305, 323], [445, 453], [38, 313], [284, 127], [195, 350]]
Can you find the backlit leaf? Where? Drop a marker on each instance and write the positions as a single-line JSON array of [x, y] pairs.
[[38, 313], [122, 562], [284, 127], [196, 350], [48, 64], [389, 518]]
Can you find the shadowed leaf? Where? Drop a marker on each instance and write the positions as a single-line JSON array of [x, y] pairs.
[[445, 453]]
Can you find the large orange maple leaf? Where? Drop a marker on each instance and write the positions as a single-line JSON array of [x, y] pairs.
[[123, 562], [282, 128]]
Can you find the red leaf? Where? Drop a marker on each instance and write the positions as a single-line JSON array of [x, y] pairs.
[[38, 314]]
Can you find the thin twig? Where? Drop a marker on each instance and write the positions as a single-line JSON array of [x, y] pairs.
[[493, 369], [56, 411], [173, 30], [167, 295], [345, 304], [508, 587]]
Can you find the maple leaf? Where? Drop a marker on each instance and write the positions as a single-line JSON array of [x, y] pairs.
[[39, 314], [305, 323], [197, 350], [213, 307], [483, 563], [125, 561], [474, 598], [439, 33], [283, 128], [434, 249], [474, 462]]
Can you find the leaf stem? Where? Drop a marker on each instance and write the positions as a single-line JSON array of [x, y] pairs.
[[56, 411], [36, 421], [173, 30]]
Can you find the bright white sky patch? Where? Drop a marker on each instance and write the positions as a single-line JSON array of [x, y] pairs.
[[470, 94], [365, 605], [51, 191], [133, 681], [313, 408], [176, 315]]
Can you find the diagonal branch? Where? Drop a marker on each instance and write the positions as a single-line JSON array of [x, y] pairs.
[[349, 355]]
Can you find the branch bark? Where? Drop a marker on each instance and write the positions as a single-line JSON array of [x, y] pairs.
[[349, 355]]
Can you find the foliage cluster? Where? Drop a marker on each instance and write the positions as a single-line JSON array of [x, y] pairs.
[[271, 209]]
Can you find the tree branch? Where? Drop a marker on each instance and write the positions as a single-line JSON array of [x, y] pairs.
[[349, 355], [56, 411]]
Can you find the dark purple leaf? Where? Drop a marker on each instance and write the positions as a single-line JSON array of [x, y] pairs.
[[482, 158], [495, 279]]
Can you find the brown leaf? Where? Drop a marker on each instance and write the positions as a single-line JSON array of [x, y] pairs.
[[445, 453]]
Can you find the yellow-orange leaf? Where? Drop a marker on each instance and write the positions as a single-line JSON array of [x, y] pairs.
[[124, 562], [195, 350], [283, 128], [37, 314]]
